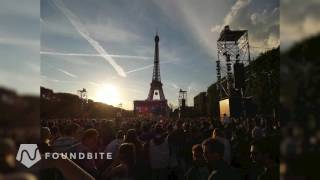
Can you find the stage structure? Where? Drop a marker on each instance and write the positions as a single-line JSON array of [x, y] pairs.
[[182, 103], [233, 56], [83, 96], [156, 103]]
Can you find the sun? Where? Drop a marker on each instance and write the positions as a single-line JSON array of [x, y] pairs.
[[108, 94]]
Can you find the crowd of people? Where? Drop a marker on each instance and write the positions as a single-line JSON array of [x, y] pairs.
[[144, 148], [300, 145]]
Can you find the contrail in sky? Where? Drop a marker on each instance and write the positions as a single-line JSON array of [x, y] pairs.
[[74, 20], [94, 55], [67, 73], [63, 71], [140, 69], [146, 67]]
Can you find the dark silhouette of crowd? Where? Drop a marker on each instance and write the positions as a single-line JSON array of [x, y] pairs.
[[156, 149]]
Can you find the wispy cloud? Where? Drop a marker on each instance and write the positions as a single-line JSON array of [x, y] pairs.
[[233, 13], [95, 84], [259, 17], [94, 55], [29, 44], [44, 79], [192, 90], [68, 73], [174, 85], [25, 9], [299, 19], [85, 34]]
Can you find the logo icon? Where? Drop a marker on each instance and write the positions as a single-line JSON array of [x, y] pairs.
[[28, 154]]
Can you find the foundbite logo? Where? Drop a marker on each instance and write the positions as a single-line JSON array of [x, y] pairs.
[[28, 154]]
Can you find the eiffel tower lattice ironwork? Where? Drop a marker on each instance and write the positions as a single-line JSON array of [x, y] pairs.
[[156, 85]]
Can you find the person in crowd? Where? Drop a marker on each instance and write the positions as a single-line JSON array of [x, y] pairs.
[[45, 143], [146, 135], [89, 144], [107, 132], [217, 134], [192, 138], [7, 156], [198, 170], [132, 137], [68, 169], [69, 140], [55, 133], [265, 153], [257, 131], [18, 176], [256, 157], [226, 120], [8, 166], [113, 146], [213, 152], [157, 151], [123, 166], [177, 143]]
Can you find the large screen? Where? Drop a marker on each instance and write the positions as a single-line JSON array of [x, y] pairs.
[[224, 107], [146, 107]]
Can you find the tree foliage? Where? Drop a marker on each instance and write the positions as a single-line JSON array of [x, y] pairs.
[[65, 105], [300, 80]]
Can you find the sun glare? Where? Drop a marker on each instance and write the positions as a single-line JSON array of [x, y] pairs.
[[108, 94]]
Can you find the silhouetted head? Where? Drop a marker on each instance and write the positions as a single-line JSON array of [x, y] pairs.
[[213, 150], [7, 155], [131, 136], [45, 135], [217, 133], [120, 134], [90, 139], [264, 151], [197, 152], [127, 153], [71, 130]]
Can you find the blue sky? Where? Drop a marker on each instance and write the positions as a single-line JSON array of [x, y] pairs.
[[188, 31], [19, 45], [91, 43]]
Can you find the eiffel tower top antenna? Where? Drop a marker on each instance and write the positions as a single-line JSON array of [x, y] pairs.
[[156, 67]]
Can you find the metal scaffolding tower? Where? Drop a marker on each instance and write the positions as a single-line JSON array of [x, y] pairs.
[[233, 55]]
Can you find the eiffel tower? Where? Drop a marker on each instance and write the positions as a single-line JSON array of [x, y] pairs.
[[156, 85], [152, 105]]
